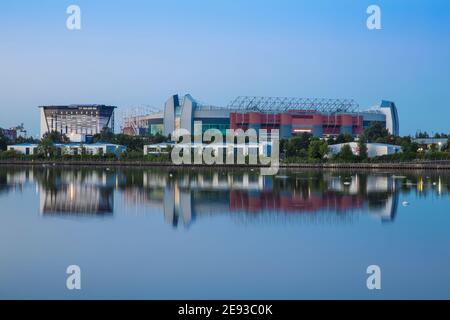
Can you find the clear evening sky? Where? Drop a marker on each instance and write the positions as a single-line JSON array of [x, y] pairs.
[[139, 52]]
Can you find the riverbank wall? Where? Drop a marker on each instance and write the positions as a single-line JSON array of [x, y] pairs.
[[425, 165]]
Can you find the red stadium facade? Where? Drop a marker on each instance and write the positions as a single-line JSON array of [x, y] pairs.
[[294, 122]]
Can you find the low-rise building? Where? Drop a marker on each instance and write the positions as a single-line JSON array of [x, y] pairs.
[[428, 143], [73, 148], [373, 149], [24, 148], [98, 148], [158, 148], [261, 148]]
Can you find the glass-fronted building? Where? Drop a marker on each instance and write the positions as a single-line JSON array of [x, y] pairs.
[[78, 122]]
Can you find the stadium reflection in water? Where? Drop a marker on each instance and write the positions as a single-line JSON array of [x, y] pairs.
[[184, 197], [217, 234]]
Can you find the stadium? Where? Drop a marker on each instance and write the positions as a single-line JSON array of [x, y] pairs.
[[291, 116]]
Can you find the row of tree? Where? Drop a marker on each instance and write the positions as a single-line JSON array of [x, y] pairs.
[[303, 147], [426, 135], [307, 147]]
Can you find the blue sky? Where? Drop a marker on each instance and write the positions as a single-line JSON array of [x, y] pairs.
[[134, 52]]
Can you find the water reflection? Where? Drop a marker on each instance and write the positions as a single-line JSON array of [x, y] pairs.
[[65, 192], [249, 197], [183, 197]]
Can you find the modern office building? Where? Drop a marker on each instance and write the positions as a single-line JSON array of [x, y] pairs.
[[78, 122], [291, 116]]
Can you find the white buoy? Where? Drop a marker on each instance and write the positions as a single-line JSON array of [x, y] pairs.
[[405, 203]]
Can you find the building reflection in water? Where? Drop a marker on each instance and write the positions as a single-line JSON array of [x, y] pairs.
[[185, 196], [76, 192], [13, 179]]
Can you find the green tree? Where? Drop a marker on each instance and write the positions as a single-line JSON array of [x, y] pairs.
[[362, 146], [297, 145], [106, 135], [447, 146], [344, 138], [158, 138], [375, 132], [440, 135], [21, 139], [422, 135], [3, 142], [346, 153], [433, 148], [55, 137], [46, 148], [408, 146], [133, 143], [317, 149], [83, 150]]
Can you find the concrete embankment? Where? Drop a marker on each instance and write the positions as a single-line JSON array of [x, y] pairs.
[[429, 165], [425, 165]]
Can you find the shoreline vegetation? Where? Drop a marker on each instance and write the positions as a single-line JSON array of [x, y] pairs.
[[301, 151]]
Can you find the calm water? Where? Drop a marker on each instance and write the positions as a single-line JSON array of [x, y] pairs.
[[157, 234]]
